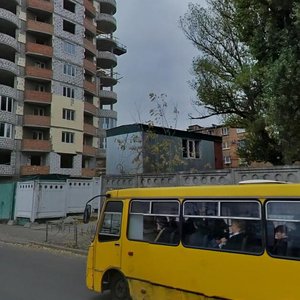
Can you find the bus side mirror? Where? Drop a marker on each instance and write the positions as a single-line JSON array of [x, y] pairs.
[[87, 213]]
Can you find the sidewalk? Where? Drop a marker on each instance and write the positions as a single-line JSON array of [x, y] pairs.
[[62, 238]]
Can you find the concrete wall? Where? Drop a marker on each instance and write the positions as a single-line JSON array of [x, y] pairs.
[[225, 176], [42, 199]]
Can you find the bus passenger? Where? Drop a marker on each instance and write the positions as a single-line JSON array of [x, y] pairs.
[[199, 237], [167, 231], [280, 244], [236, 236]]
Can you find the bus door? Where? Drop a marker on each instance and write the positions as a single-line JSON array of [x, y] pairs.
[[108, 250], [152, 232]]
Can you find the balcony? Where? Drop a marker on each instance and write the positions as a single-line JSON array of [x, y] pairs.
[[89, 8], [7, 170], [89, 86], [108, 97], [33, 170], [108, 6], [89, 129], [9, 91], [89, 150], [89, 66], [90, 108], [106, 23], [38, 97], [39, 49], [9, 20], [85, 172], [105, 42], [89, 25], [106, 60], [8, 66], [38, 73], [107, 113], [41, 5], [8, 42], [36, 121], [88, 45], [39, 27], [107, 79], [36, 145]]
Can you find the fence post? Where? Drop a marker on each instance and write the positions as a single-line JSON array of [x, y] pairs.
[[75, 234], [46, 231]]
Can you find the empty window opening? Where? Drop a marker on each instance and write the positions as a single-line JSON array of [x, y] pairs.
[[5, 158], [66, 161], [68, 26], [69, 5], [35, 160]]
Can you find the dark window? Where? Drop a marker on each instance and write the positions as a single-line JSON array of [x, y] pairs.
[[191, 149], [154, 221], [5, 158], [68, 92], [283, 228], [69, 5], [68, 26], [38, 111], [68, 114], [66, 161], [36, 160], [222, 225], [38, 135], [6, 103], [110, 229], [67, 137]]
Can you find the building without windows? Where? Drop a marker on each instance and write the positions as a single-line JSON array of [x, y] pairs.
[[57, 60], [135, 148]]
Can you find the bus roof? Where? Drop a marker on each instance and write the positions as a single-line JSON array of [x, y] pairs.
[[256, 190]]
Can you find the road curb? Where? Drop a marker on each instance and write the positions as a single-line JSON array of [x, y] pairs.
[[46, 245], [57, 247]]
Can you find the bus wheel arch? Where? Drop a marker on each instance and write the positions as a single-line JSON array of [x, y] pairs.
[[115, 281]]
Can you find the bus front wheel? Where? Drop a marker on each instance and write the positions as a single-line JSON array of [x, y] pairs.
[[119, 288]]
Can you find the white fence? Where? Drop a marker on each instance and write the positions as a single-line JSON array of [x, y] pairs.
[[40, 199]]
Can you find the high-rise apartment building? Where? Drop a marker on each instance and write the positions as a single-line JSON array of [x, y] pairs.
[[57, 60]]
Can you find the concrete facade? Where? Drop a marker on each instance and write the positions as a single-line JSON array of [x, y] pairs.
[[50, 59]]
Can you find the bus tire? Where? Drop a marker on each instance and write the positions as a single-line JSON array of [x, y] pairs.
[[119, 288]]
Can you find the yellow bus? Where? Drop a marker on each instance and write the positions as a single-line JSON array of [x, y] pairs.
[[202, 242]]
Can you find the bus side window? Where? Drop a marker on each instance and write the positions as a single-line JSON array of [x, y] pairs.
[[229, 225], [154, 221], [110, 228], [283, 228]]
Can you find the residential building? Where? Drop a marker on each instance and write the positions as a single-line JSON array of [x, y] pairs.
[[144, 149], [57, 60], [232, 138]]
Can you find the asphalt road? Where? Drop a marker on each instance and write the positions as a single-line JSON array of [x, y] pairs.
[[28, 273]]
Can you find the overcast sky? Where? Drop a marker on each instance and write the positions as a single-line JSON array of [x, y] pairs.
[[158, 60]]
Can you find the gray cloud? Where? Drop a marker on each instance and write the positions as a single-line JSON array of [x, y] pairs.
[[159, 59]]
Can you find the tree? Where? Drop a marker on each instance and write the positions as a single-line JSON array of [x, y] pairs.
[[238, 74], [154, 152], [271, 30]]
